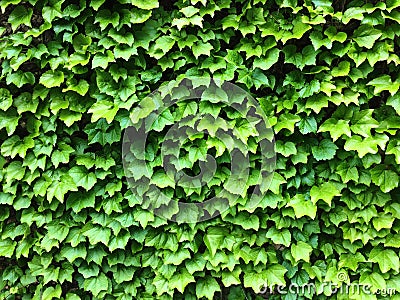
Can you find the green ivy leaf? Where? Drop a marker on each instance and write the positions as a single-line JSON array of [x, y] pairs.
[[259, 78], [180, 280], [207, 287], [342, 69], [78, 201], [60, 188], [336, 128], [104, 17], [81, 87], [7, 247], [384, 83], [96, 4], [145, 4], [82, 177], [386, 258], [394, 101], [374, 280], [214, 238], [274, 275], [96, 284], [302, 206], [103, 109], [383, 221], [6, 99], [308, 125], [394, 148], [386, 179], [286, 149], [24, 102], [325, 192], [367, 145], [20, 78], [287, 121], [267, 61], [52, 78], [102, 60], [200, 48], [301, 251], [162, 180], [52, 292], [365, 36], [325, 150], [20, 15], [280, 237]]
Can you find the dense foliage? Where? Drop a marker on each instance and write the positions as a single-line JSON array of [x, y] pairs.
[[327, 75]]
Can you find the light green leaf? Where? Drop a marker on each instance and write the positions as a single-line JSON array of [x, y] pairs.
[[324, 192], [200, 48], [231, 278], [96, 284], [351, 261], [6, 99], [102, 60], [207, 287], [51, 292], [288, 121], [162, 180], [52, 78], [72, 253], [274, 275], [279, 237], [336, 128], [145, 4], [96, 4], [105, 17], [386, 258], [255, 280], [386, 179], [79, 201], [58, 189], [82, 177], [394, 148], [342, 69], [267, 61], [302, 206], [394, 101], [97, 234], [214, 238], [384, 83], [180, 280], [103, 109], [139, 16], [367, 145], [383, 221], [7, 247], [286, 149], [366, 35], [24, 102], [20, 15], [374, 280], [301, 251], [164, 119], [81, 87], [20, 78]]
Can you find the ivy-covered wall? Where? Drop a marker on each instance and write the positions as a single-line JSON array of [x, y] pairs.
[[326, 73]]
